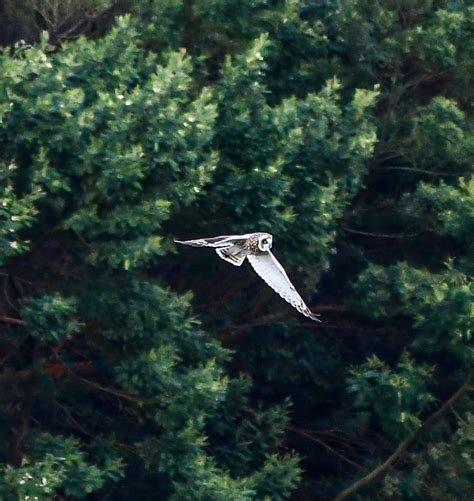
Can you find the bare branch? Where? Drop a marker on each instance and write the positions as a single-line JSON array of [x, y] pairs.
[[281, 314], [104, 389], [420, 171], [72, 419], [381, 235], [322, 443], [10, 320], [406, 444]]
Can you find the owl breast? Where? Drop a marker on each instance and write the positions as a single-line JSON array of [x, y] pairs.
[[252, 244]]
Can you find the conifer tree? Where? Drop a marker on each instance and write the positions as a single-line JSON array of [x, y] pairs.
[[109, 383], [345, 130]]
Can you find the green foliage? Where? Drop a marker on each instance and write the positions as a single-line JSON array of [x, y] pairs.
[[138, 121], [440, 305], [51, 318], [344, 129], [117, 141], [55, 464], [440, 138], [449, 460], [16, 213], [449, 210], [396, 397]]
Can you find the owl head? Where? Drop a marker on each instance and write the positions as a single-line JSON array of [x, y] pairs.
[[265, 241]]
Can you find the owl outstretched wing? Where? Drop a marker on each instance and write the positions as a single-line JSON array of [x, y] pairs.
[[228, 247], [271, 271], [220, 242]]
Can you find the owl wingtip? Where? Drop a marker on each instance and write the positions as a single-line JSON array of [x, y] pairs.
[[314, 316]]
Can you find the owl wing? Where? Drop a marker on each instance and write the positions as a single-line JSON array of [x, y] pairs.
[[271, 271], [220, 242]]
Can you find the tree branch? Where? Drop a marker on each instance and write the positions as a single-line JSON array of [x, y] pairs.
[[25, 405], [420, 171], [380, 235], [11, 320], [326, 446], [104, 389], [282, 314], [406, 444]]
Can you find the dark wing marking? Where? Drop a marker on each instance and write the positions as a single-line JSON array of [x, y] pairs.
[[271, 271], [216, 242], [232, 255]]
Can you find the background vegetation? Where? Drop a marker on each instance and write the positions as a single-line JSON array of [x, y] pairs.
[[345, 129]]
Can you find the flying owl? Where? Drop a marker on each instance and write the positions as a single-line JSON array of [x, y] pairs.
[[256, 248]]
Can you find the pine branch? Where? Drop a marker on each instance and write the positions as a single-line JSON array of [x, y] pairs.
[[406, 444]]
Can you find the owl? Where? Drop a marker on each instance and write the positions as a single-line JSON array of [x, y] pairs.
[[256, 248]]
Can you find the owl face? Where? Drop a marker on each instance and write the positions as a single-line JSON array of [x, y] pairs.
[[265, 241]]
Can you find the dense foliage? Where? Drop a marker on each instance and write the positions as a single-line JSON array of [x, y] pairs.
[[345, 130]]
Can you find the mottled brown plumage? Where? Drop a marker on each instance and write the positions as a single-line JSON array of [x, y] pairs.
[[251, 243]]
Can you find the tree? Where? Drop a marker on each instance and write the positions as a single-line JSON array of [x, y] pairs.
[[108, 381], [403, 264], [344, 129]]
